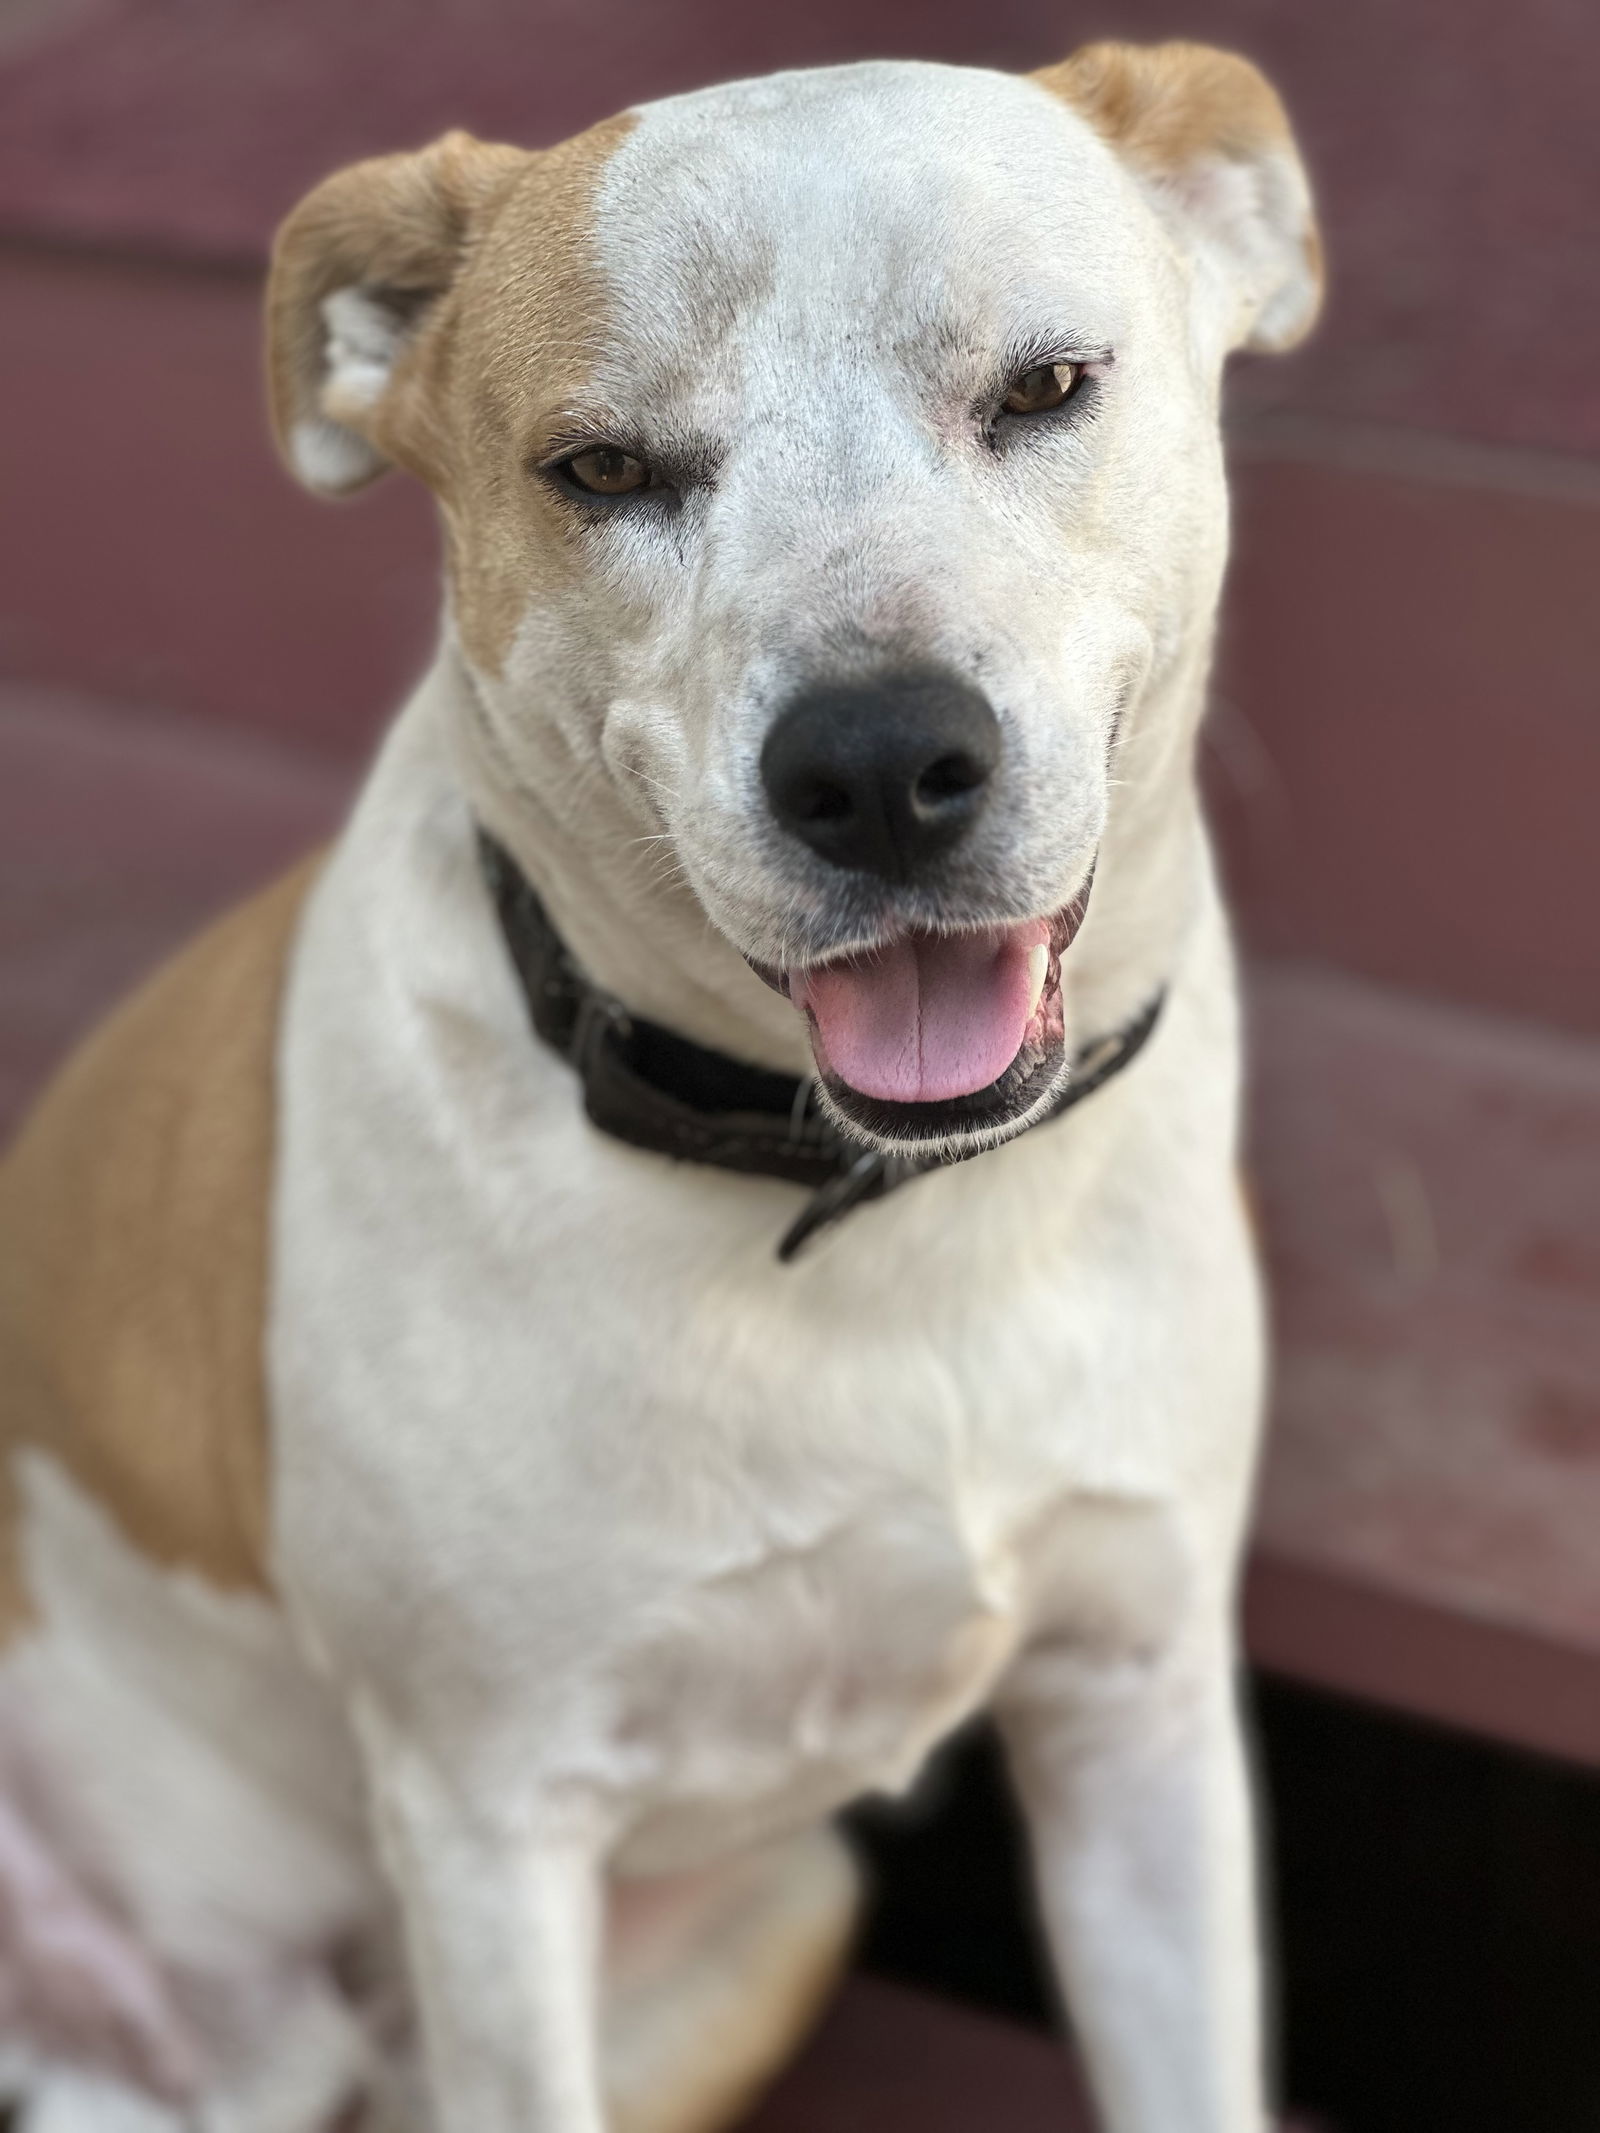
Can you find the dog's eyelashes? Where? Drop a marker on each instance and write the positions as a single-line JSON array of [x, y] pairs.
[[1045, 386], [606, 470]]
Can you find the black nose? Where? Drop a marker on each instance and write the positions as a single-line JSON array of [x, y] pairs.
[[882, 776]]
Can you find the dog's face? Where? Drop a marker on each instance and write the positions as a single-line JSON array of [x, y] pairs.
[[830, 465]]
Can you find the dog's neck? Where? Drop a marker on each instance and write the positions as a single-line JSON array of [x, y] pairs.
[[641, 934]]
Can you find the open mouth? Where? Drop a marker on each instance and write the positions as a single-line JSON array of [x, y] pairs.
[[940, 1036]]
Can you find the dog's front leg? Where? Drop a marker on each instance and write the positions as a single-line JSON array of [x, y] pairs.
[[1133, 1782], [502, 1916]]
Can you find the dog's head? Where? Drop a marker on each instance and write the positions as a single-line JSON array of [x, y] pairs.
[[830, 474]]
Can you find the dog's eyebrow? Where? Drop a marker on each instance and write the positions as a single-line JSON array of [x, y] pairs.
[[1031, 351], [972, 346], [684, 455]]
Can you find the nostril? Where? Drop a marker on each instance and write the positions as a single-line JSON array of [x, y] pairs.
[[952, 777]]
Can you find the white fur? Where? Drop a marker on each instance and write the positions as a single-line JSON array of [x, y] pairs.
[[619, 1548], [329, 456], [173, 1755], [1247, 224], [364, 339], [627, 1543]]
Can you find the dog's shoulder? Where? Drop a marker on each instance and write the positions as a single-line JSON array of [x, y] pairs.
[[133, 1255]]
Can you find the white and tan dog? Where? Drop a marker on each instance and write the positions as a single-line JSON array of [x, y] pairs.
[[454, 1569]]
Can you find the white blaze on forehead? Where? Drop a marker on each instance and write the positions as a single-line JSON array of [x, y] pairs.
[[856, 212], [812, 280]]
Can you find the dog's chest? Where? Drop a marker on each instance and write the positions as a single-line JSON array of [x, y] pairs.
[[820, 1665]]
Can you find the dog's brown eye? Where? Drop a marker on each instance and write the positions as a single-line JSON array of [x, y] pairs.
[[1040, 389], [607, 471]]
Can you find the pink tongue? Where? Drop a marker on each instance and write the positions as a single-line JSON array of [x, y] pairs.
[[925, 1019]]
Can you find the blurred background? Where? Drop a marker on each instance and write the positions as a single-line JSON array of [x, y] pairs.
[[1404, 756]]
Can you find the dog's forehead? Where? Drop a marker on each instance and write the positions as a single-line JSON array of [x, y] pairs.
[[883, 199]]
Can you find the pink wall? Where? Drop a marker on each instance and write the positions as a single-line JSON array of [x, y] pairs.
[[1407, 742], [1454, 143]]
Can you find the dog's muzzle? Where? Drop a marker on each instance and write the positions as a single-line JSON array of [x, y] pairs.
[[941, 1037], [931, 1035]]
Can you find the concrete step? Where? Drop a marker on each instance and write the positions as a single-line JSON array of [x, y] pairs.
[[1430, 1504], [1429, 1181]]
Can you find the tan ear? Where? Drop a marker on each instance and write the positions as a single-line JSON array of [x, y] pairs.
[[1206, 134], [358, 271]]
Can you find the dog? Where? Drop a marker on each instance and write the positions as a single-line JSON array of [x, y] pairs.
[[699, 1246]]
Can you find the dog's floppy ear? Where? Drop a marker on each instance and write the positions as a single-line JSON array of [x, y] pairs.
[[1206, 135], [358, 274]]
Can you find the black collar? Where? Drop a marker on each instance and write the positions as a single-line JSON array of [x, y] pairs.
[[645, 1085]]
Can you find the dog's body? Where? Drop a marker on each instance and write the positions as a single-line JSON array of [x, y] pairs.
[[573, 1543]]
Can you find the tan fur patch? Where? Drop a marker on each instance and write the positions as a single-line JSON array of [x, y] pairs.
[[133, 1258], [525, 335], [397, 226], [741, 2004], [1166, 106], [491, 246]]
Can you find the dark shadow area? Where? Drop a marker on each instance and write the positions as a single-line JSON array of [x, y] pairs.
[[1439, 1907], [1437, 1912], [947, 1869]]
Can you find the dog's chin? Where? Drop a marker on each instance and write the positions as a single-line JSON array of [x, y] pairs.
[[940, 1043]]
